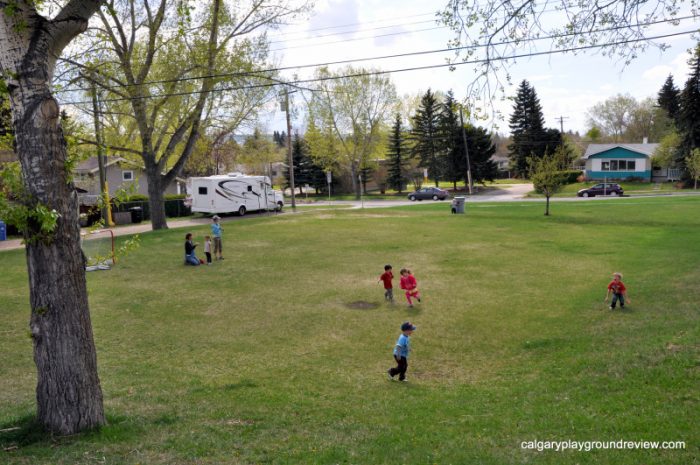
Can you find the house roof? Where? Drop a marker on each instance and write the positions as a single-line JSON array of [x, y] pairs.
[[91, 165], [644, 149]]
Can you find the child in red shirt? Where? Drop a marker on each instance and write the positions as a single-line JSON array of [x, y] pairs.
[[409, 284], [387, 277], [618, 290]]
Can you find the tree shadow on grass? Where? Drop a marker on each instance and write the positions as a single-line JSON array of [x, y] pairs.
[[22, 432], [27, 431]]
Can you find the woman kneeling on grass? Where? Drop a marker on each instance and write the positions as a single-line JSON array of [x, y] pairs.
[[190, 257]]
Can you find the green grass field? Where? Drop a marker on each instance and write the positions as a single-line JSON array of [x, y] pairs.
[[271, 355]]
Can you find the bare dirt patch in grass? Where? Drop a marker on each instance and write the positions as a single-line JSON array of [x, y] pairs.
[[362, 305]]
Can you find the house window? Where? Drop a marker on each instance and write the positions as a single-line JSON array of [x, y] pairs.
[[618, 165], [127, 175], [202, 191]]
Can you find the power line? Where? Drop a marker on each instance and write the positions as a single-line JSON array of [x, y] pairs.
[[352, 32], [339, 26], [384, 57], [400, 70]]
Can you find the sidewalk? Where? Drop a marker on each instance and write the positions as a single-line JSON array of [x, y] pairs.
[[128, 230]]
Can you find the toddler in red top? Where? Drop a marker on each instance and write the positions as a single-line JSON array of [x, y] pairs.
[[409, 284], [618, 290], [387, 277]]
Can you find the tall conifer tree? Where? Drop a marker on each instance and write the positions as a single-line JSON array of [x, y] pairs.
[[397, 157], [669, 98], [688, 122], [425, 130]]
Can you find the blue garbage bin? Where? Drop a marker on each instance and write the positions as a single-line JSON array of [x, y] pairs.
[[3, 231]]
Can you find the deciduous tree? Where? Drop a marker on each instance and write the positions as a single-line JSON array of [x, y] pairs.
[[68, 393], [349, 107]]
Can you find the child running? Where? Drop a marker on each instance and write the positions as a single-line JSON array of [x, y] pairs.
[[387, 277], [409, 284], [401, 351], [619, 292]]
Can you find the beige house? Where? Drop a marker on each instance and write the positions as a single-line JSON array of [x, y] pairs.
[[121, 174]]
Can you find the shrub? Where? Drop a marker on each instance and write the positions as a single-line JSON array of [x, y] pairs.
[[571, 176]]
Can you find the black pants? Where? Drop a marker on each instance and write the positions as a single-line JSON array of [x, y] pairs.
[[208, 254], [401, 368]]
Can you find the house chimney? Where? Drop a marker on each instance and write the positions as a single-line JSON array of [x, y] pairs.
[[645, 140]]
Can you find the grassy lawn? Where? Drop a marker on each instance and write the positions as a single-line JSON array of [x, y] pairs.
[[271, 355]]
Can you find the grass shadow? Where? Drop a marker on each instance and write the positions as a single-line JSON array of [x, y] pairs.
[[23, 432]]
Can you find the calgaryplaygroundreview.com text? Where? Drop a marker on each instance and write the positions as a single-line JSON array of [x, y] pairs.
[[587, 446]]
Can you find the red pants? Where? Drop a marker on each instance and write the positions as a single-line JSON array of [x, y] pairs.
[[413, 293]]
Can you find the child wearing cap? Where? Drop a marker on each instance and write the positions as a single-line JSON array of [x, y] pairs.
[[619, 291], [216, 232], [387, 277], [401, 351]]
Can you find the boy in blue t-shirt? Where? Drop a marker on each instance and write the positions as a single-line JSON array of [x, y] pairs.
[[216, 232], [401, 352]]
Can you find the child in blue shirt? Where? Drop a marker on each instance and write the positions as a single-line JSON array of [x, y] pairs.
[[216, 232], [401, 351]]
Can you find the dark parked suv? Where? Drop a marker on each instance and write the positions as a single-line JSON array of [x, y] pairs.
[[603, 188], [428, 193]]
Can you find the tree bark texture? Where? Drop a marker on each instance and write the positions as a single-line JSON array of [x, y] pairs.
[[69, 396], [156, 201]]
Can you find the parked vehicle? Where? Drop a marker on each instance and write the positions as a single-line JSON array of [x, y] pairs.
[[232, 193], [428, 193], [603, 188]]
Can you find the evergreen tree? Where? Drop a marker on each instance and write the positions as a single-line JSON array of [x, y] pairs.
[[366, 173], [451, 142], [688, 121], [425, 130], [669, 98], [302, 164], [398, 157], [529, 137], [481, 149], [280, 138]]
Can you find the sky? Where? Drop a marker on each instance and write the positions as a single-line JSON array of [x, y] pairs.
[[567, 85]]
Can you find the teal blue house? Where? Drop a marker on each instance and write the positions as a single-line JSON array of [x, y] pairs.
[[619, 161]]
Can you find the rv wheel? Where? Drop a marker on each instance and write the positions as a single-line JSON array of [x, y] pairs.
[[241, 211], [279, 206]]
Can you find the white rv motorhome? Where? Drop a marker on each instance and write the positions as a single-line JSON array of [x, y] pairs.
[[232, 193]]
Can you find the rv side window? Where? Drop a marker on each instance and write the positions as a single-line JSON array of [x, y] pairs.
[[250, 188], [202, 191]]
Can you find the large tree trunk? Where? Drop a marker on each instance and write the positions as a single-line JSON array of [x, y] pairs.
[[155, 198], [69, 397]]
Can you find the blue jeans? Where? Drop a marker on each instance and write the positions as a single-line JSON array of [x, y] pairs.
[[192, 260], [617, 296]]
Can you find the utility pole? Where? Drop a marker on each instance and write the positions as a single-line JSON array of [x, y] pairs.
[[290, 159], [561, 122], [106, 208], [466, 152]]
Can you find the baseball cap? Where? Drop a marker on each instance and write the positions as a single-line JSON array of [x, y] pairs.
[[408, 326], [215, 217]]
